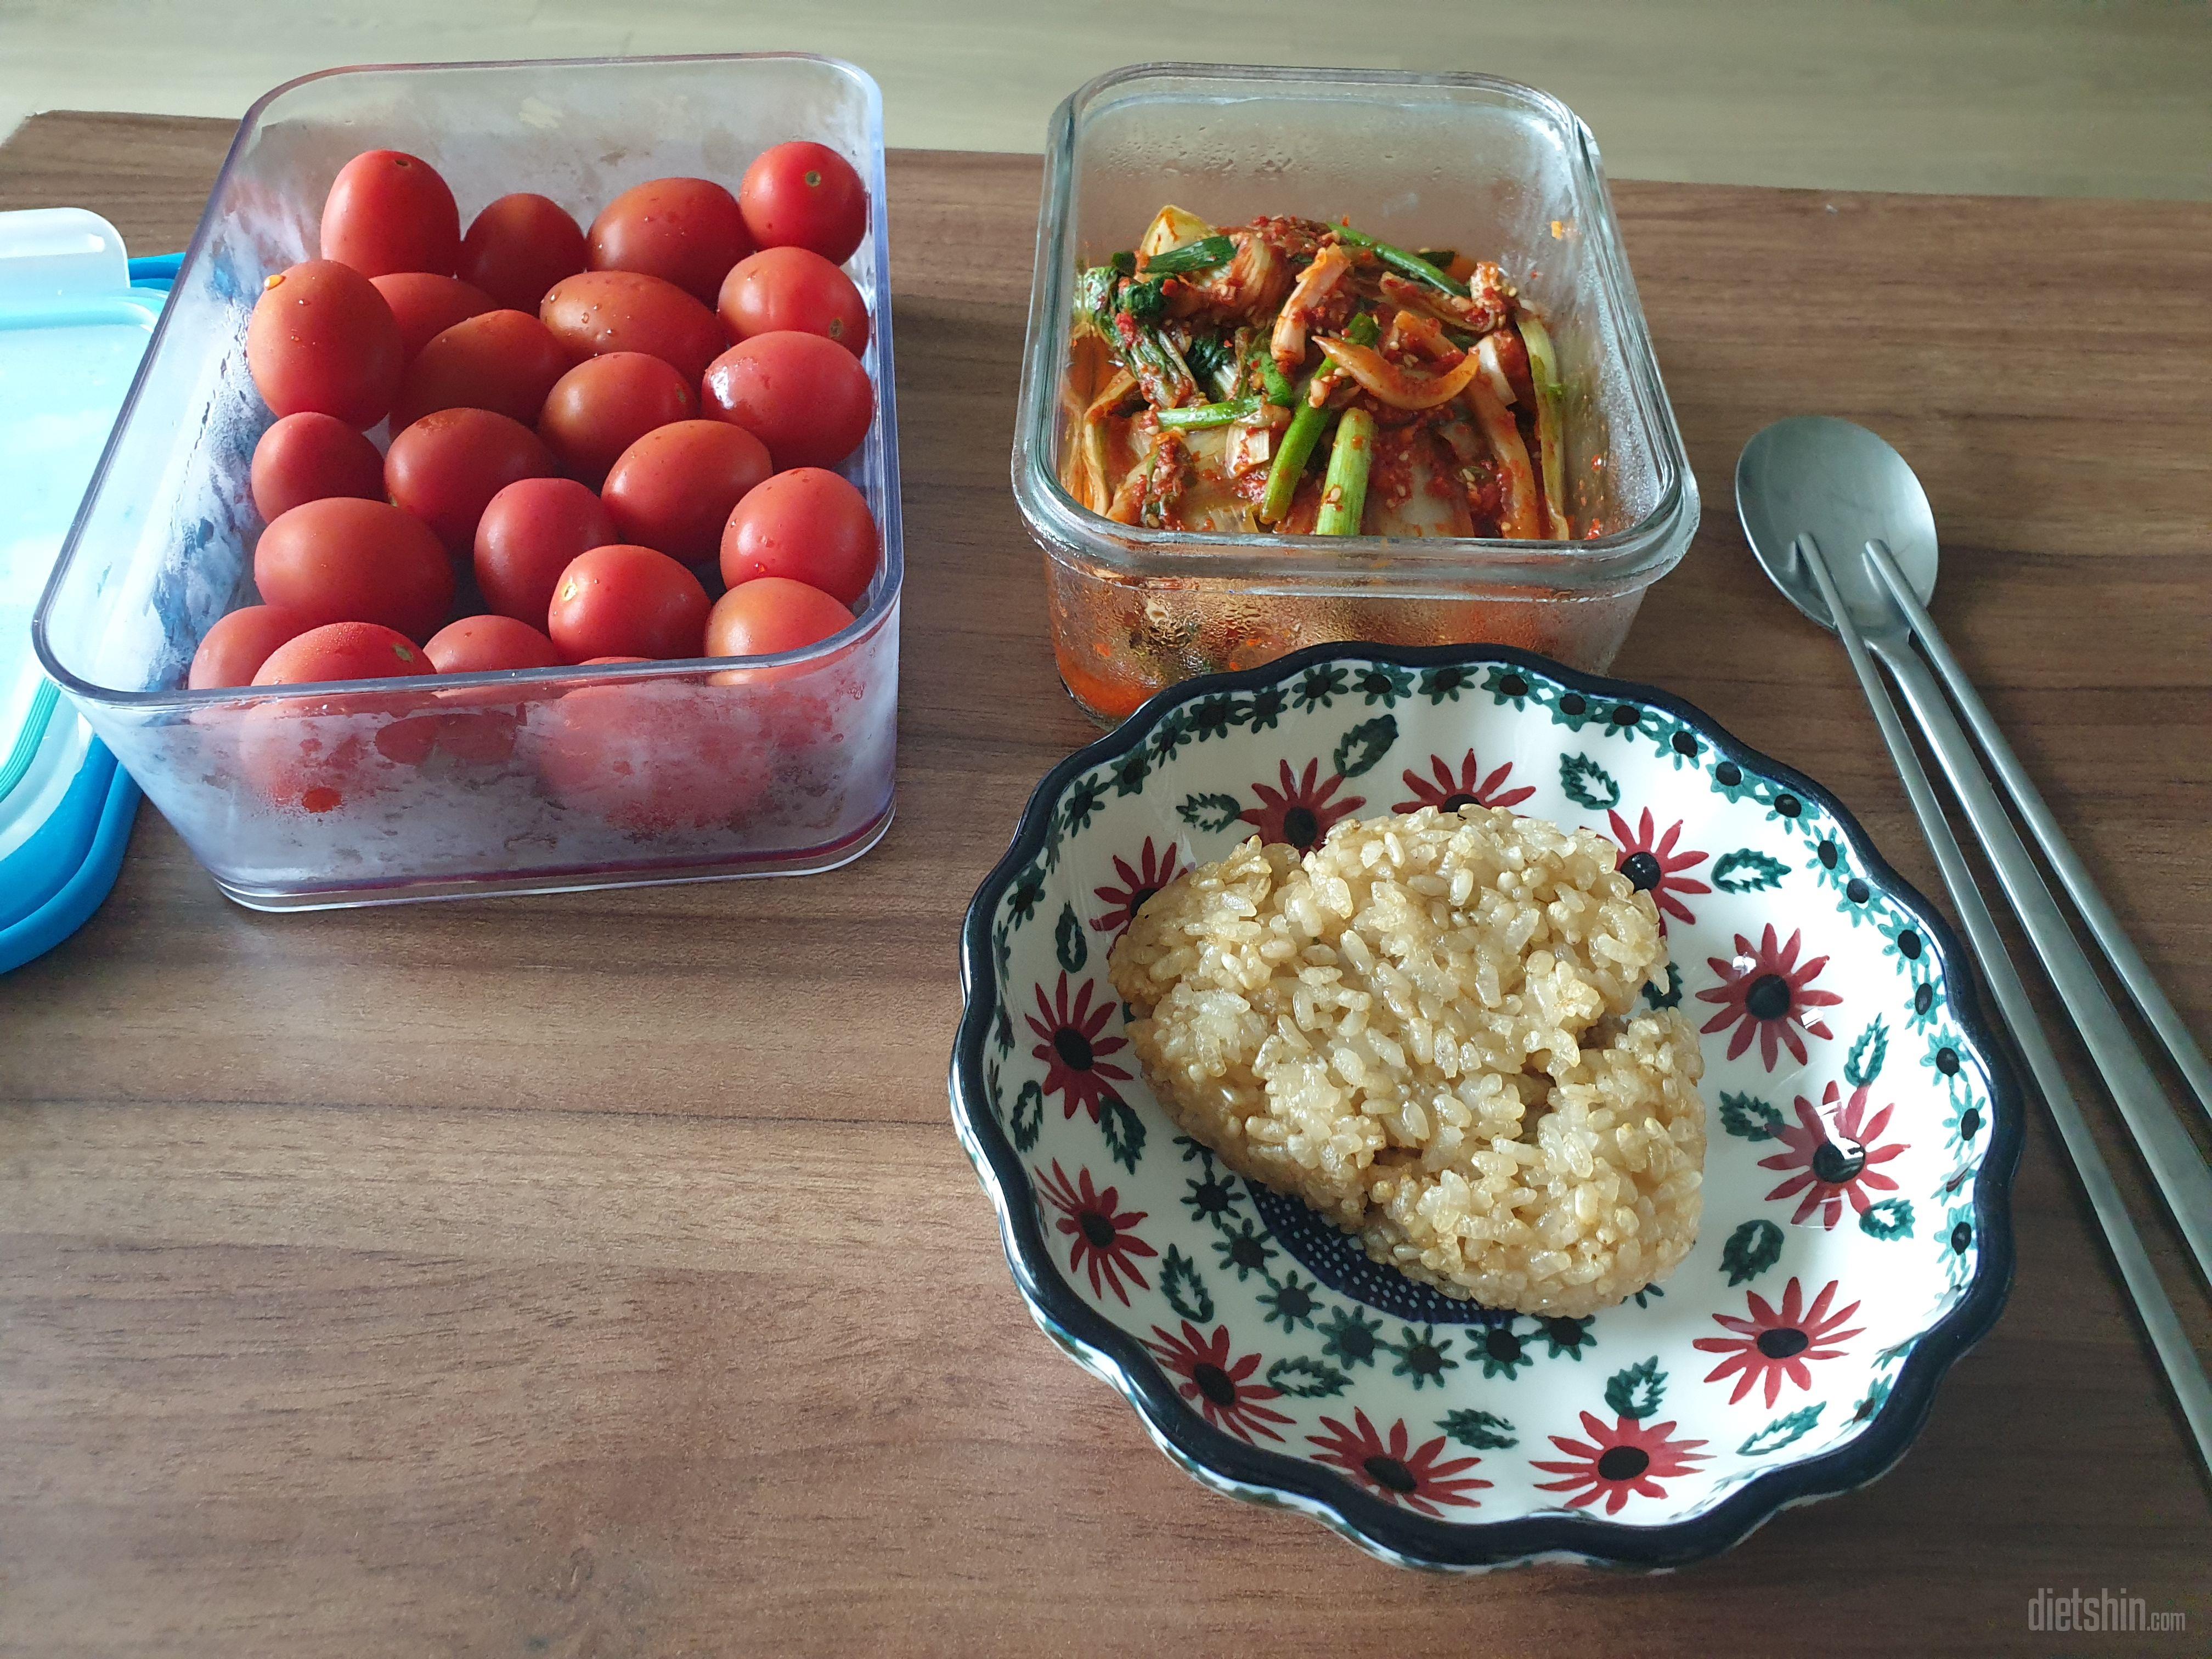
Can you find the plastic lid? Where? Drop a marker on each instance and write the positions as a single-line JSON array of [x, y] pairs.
[[72, 330]]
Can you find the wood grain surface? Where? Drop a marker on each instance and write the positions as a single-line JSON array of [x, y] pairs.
[[599, 1274]]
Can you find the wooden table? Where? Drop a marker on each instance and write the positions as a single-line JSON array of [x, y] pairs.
[[599, 1274]]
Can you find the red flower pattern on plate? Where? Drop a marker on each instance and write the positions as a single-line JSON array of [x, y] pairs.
[[1218, 1383], [1153, 872], [1074, 1046], [1104, 1235], [1777, 1342], [1766, 992], [1420, 1479], [1832, 1168], [1301, 811], [1630, 1458], [1470, 788], [1655, 867]]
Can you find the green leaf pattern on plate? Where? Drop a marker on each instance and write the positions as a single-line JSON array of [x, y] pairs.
[[1748, 870], [1586, 783]]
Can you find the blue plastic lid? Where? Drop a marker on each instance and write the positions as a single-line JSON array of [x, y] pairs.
[[73, 327]]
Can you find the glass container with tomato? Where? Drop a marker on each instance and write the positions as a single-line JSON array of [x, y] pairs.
[[531, 242]]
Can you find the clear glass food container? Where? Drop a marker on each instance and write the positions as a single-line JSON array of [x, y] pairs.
[[495, 782], [1488, 166]]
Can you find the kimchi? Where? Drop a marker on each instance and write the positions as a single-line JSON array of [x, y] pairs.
[[1295, 378]]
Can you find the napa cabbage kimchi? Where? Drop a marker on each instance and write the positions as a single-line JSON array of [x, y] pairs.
[[1298, 377]]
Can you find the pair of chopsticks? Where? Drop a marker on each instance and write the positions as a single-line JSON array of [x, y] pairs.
[[2168, 1152]]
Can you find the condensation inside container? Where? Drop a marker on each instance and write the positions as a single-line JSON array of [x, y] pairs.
[[1116, 642], [368, 790], [1470, 168]]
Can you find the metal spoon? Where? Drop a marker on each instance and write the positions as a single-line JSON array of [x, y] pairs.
[[1842, 485], [1775, 486]]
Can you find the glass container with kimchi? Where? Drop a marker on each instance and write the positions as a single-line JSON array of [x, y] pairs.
[[1376, 371]]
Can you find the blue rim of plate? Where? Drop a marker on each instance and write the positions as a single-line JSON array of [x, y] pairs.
[[1226, 1464]]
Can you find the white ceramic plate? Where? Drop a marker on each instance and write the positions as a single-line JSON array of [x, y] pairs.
[[1863, 1132]]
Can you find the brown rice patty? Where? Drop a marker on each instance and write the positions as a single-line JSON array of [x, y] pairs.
[[1427, 1030]]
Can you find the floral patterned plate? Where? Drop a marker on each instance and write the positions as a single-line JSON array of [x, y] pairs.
[[1862, 1130]]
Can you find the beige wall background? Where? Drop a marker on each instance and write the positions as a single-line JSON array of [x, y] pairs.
[[2069, 97]]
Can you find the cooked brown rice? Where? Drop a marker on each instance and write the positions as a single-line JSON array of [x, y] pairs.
[[1426, 1029]]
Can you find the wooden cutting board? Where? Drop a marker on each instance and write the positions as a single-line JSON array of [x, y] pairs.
[[599, 1274]]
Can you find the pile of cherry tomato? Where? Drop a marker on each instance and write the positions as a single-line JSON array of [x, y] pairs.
[[583, 422]]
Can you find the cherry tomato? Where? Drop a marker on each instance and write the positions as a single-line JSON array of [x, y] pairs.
[[446, 468], [527, 536], [390, 211], [519, 246], [807, 398], [811, 714], [481, 738], [425, 306], [809, 525], [673, 489], [476, 645], [342, 651], [772, 614], [795, 289], [344, 560], [323, 340], [319, 755], [232, 651], [308, 457], [597, 312], [685, 231], [805, 195], [604, 404], [653, 757], [502, 360], [626, 600]]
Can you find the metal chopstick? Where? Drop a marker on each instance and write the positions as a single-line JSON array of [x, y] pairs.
[[2104, 926], [2175, 1165], [2184, 1374]]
